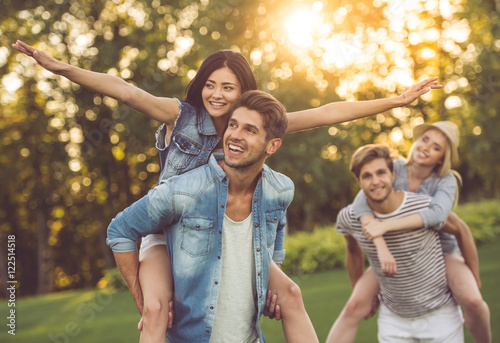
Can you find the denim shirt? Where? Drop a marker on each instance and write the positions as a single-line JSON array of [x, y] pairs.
[[441, 189], [192, 140], [190, 210]]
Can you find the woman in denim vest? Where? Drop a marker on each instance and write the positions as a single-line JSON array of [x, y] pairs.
[[191, 132]]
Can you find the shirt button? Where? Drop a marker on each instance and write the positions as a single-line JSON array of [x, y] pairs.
[[216, 283], [207, 332], [275, 218], [211, 307], [254, 200], [258, 249], [197, 226], [218, 257], [258, 274], [220, 231], [221, 206], [256, 225]]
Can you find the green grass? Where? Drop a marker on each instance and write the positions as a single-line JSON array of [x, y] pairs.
[[92, 316], [325, 294]]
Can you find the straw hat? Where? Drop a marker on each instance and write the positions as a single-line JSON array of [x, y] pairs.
[[449, 129]]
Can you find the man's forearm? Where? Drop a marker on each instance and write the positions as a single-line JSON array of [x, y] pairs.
[[128, 264], [355, 261]]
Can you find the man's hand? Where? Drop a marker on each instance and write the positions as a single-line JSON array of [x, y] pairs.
[[170, 317], [272, 309]]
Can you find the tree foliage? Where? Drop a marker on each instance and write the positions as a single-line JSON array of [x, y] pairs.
[[72, 159]]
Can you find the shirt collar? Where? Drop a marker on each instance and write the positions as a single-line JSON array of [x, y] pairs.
[[216, 168]]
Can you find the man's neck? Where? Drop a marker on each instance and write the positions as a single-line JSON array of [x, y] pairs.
[[242, 183], [389, 205], [242, 179]]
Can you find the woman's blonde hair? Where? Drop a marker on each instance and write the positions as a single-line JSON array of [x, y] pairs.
[[442, 169]]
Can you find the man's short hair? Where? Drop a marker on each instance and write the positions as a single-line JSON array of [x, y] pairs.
[[368, 153], [272, 111]]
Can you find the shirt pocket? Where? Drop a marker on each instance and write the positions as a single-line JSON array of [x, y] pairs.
[[272, 220], [196, 235], [182, 153]]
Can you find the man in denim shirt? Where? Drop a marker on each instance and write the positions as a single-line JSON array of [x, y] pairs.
[[223, 223]]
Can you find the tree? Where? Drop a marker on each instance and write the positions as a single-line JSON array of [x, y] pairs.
[[72, 159]]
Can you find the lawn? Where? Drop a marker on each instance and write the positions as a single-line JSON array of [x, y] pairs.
[[92, 316]]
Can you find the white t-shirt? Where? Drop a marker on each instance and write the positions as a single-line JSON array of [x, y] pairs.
[[236, 311]]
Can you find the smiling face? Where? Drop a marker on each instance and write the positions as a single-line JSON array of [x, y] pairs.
[[376, 180], [430, 148], [220, 92], [245, 139]]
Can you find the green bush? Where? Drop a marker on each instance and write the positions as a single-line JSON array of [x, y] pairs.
[[324, 249], [483, 218]]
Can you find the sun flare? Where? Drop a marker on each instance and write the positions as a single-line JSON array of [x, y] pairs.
[[301, 27]]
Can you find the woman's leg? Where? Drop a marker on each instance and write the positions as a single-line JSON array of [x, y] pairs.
[[155, 276], [295, 321], [464, 287], [358, 307]]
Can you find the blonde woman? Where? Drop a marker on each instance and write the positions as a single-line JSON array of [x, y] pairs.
[[427, 171]]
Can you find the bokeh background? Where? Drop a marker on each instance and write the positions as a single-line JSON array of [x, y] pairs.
[[71, 159]]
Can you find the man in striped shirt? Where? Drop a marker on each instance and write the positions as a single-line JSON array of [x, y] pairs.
[[416, 303]]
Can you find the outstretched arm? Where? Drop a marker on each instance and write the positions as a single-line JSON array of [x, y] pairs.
[[343, 111], [162, 109]]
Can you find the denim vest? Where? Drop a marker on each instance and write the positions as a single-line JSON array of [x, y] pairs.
[[190, 210], [192, 141]]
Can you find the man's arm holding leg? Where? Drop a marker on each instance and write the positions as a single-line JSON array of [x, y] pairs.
[[128, 264], [355, 260], [145, 216]]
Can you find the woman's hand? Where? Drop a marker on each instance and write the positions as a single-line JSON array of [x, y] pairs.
[[373, 229], [418, 89], [41, 58], [387, 262]]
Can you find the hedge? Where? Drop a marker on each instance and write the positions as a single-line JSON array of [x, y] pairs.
[[324, 249]]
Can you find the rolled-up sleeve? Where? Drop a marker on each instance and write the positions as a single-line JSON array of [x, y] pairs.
[[441, 204], [147, 215]]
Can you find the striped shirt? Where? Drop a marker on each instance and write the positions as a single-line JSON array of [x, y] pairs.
[[420, 285]]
